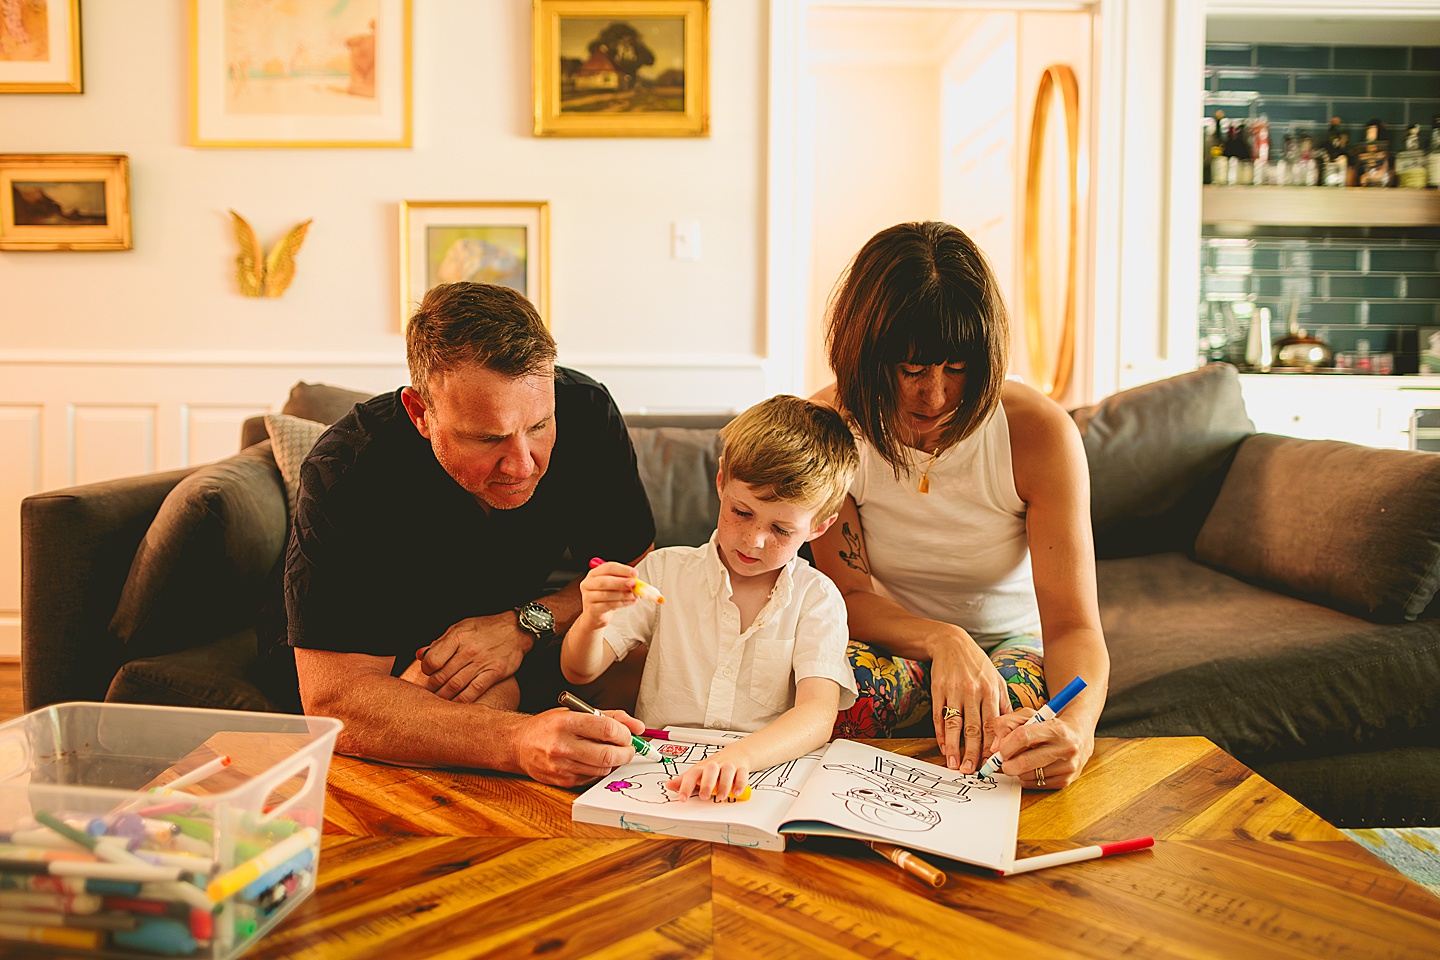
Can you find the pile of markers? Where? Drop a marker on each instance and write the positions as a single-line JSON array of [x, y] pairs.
[[143, 877]]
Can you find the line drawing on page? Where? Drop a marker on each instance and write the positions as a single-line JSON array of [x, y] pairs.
[[902, 797]]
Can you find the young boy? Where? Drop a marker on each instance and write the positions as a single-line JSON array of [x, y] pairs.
[[749, 637]]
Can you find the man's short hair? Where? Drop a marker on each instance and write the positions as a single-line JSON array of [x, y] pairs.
[[466, 322], [798, 451]]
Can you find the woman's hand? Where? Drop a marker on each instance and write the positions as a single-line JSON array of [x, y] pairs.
[[966, 693], [1045, 755], [721, 777]]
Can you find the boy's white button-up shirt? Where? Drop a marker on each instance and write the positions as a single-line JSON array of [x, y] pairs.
[[701, 670]]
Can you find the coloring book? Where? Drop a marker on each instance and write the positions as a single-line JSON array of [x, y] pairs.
[[846, 789]]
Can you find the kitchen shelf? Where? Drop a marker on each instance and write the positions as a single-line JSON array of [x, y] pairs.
[[1320, 206]]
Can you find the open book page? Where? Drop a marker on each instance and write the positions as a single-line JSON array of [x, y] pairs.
[[858, 790], [634, 797]]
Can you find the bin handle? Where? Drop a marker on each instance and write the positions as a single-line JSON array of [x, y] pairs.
[[279, 775], [8, 771]]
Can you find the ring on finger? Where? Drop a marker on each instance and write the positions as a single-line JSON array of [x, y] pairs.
[[950, 713], [1039, 776]]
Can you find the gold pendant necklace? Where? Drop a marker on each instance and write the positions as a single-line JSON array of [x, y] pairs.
[[925, 477]]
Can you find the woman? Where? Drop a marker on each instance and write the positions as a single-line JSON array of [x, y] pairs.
[[967, 533]]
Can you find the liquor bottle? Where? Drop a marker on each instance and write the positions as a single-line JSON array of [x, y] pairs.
[[1242, 154], [1260, 127], [1307, 171], [1372, 157], [1410, 162], [1219, 164], [1337, 163], [1432, 159]]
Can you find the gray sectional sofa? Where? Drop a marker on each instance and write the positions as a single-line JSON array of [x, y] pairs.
[[1272, 594]]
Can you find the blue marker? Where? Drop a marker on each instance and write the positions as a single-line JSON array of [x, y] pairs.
[[1057, 703]]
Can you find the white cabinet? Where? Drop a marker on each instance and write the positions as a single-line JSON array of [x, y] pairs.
[[1375, 411]]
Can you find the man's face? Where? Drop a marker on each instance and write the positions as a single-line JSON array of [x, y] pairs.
[[492, 433]]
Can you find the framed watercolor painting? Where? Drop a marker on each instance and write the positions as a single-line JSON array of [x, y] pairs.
[[40, 46], [627, 68], [64, 201], [502, 242], [304, 73]]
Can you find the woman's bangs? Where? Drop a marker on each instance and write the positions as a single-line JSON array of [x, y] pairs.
[[929, 337]]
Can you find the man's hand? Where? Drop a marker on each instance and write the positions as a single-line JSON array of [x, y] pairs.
[[470, 657], [567, 748]]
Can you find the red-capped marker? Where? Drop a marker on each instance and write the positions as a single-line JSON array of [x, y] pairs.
[[1078, 854]]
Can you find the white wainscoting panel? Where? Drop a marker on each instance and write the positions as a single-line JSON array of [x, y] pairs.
[[20, 452], [111, 441]]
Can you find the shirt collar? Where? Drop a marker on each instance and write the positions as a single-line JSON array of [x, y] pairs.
[[717, 577]]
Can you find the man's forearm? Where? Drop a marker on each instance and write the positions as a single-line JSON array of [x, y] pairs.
[[388, 719]]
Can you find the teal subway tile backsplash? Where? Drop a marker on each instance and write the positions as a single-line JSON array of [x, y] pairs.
[[1421, 287], [1293, 111], [1256, 82], [1417, 313], [1334, 84], [1364, 288], [1292, 55], [1371, 58], [1334, 259], [1229, 54], [1425, 58], [1407, 85], [1404, 260]]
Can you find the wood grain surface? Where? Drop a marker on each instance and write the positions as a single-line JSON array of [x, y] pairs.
[[454, 864]]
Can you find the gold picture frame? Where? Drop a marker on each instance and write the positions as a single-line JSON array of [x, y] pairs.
[[64, 201], [621, 68], [506, 242], [308, 73], [40, 48]]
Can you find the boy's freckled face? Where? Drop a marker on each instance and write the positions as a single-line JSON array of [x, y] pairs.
[[756, 537]]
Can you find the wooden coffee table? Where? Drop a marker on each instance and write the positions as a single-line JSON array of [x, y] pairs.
[[427, 863]]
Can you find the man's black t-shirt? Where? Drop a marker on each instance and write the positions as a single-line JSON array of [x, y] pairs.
[[387, 551]]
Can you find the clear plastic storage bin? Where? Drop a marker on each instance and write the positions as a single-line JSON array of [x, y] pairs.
[[99, 857]]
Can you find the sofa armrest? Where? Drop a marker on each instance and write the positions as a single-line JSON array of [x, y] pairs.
[[76, 546]]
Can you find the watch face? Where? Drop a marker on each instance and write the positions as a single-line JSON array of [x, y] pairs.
[[537, 616]]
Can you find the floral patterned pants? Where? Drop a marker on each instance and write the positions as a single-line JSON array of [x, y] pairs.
[[895, 693]]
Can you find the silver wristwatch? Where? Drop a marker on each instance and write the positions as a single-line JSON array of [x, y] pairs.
[[536, 619]]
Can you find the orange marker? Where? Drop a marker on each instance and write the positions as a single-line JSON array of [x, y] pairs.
[[643, 590]]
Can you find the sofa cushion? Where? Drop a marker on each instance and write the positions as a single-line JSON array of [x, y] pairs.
[[677, 466], [201, 564], [213, 676], [1352, 527], [1157, 455], [292, 437], [321, 402], [1196, 652]]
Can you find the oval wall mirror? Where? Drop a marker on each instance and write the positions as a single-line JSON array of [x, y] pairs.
[[1052, 230]]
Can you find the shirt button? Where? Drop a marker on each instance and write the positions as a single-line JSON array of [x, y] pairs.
[[728, 671]]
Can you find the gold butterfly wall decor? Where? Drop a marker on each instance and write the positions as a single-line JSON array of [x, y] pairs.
[[261, 275]]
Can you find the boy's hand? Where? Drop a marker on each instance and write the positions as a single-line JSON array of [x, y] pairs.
[[719, 778], [605, 589]]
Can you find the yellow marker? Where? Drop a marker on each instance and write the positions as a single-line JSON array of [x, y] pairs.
[[229, 883], [58, 936], [744, 795]]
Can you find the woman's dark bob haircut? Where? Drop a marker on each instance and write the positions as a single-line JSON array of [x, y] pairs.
[[916, 293]]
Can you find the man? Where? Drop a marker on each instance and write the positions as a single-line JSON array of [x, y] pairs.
[[426, 525]]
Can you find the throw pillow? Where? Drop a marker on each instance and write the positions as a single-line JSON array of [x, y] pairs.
[[201, 566], [1354, 528], [321, 402], [1157, 455], [292, 438]]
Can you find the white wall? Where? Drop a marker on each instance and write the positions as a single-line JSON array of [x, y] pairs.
[[115, 363], [618, 299], [877, 163]]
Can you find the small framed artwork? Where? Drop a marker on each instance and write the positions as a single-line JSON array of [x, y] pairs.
[[304, 73], [501, 242], [1430, 349], [64, 201], [40, 46], [621, 68]]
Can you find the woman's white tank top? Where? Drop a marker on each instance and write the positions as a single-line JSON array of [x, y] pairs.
[[959, 553]]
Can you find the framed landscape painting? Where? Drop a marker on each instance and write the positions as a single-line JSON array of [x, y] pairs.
[[621, 68], [40, 46], [303, 73], [501, 242], [63, 201]]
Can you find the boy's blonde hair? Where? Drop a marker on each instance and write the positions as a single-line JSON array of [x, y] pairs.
[[794, 450]]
